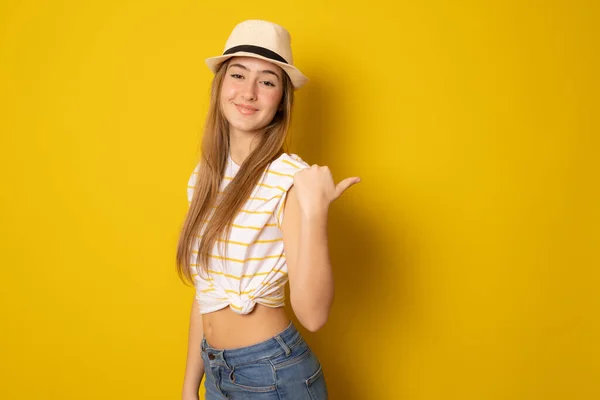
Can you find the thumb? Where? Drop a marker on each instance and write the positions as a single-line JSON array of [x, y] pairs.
[[345, 184]]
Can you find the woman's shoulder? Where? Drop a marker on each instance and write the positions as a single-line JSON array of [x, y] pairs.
[[287, 164]]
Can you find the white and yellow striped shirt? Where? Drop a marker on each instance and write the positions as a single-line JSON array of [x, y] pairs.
[[255, 269]]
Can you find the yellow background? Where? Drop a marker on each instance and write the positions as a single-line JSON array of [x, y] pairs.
[[466, 262]]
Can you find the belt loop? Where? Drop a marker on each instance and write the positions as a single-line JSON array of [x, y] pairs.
[[283, 345]]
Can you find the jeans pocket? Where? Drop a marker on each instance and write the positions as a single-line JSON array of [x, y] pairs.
[[298, 353], [316, 386], [257, 377]]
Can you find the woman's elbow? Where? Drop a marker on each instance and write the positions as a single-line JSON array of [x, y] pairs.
[[314, 325], [312, 320]]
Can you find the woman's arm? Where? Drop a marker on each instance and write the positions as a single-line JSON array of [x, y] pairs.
[[307, 256], [304, 228], [194, 368]]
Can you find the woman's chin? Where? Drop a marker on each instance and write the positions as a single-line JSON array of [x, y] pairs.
[[246, 128]]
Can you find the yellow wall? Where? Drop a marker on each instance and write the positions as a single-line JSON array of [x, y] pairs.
[[466, 261]]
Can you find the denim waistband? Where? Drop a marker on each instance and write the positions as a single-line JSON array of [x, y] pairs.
[[278, 344]]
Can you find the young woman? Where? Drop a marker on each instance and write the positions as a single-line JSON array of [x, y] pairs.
[[257, 220]]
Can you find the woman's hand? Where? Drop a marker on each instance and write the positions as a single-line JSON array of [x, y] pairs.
[[316, 189]]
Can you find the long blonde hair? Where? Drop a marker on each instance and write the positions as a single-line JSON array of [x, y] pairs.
[[215, 152]]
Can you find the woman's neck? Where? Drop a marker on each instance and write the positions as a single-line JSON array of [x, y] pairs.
[[241, 144]]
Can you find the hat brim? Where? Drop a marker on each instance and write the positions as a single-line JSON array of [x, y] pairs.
[[298, 79]]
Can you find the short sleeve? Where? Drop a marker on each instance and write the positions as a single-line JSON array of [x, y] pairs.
[[191, 186], [286, 167]]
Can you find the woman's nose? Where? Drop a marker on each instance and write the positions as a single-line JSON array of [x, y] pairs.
[[249, 90]]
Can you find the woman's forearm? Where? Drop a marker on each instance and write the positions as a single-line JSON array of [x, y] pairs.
[[194, 368], [313, 282]]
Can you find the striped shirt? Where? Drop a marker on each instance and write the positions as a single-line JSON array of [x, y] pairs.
[[255, 269]]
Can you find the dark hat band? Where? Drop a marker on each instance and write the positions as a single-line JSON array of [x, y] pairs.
[[261, 51]]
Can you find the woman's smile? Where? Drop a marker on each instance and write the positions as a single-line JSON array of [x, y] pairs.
[[245, 110]]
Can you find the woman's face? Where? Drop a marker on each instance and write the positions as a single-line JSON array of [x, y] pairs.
[[251, 93]]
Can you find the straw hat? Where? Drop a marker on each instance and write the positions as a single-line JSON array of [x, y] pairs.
[[264, 40]]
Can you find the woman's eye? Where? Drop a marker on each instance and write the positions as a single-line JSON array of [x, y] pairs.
[[236, 76], [268, 83]]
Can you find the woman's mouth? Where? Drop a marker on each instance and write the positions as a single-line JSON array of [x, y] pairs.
[[245, 110]]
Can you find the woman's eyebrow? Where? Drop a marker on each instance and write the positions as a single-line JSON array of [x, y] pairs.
[[266, 71]]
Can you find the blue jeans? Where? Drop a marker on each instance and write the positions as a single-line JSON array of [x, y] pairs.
[[280, 368]]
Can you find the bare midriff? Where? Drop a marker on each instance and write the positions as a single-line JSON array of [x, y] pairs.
[[226, 329]]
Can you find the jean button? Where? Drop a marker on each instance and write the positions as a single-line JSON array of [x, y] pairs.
[[211, 356]]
